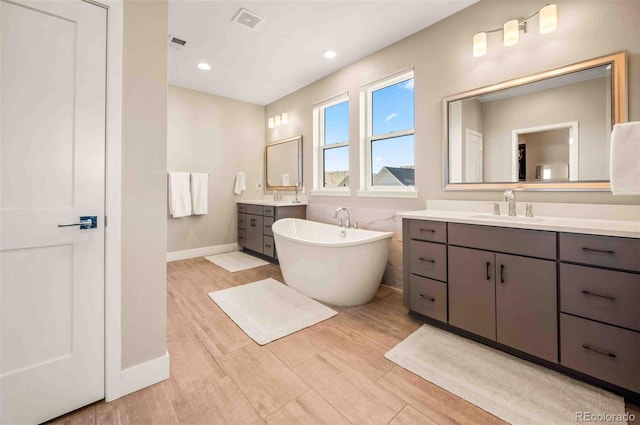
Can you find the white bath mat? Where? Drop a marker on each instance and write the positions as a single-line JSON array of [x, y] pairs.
[[512, 389], [236, 261], [268, 310]]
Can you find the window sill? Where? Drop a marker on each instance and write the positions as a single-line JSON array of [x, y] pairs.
[[335, 192], [381, 193]]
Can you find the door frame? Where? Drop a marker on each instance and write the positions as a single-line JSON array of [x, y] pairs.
[[113, 203]]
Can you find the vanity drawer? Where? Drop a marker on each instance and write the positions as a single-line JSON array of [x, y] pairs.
[[428, 297], [428, 259], [268, 211], [241, 237], [603, 351], [254, 209], [434, 231], [604, 295], [269, 247], [242, 220], [241, 208], [268, 222], [606, 251], [532, 243]]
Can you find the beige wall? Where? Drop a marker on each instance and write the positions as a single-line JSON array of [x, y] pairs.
[[144, 193], [218, 136], [444, 65]]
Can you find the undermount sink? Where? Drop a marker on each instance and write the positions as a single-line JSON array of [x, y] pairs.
[[509, 219]]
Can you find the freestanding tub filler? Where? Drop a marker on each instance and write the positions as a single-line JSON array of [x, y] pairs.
[[331, 264]]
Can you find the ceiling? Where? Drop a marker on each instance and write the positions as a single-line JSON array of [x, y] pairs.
[[284, 52]]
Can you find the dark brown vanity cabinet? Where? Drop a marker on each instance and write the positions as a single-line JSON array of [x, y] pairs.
[[599, 305], [426, 255], [507, 298], [571, 299], [254, 225]]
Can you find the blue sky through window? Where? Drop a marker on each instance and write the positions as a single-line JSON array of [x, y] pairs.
[[392, 108], [336, 123]]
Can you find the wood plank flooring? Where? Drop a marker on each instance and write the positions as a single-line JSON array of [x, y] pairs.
[[333, 373]]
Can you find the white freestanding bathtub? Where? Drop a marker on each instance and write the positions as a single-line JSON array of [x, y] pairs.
[[319, 262]]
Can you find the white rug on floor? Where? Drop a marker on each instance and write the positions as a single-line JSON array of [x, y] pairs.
[[236, 261], [268, 310], [510, 388]]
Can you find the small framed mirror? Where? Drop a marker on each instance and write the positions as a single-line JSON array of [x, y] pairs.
[[283, 164], [548, 131]]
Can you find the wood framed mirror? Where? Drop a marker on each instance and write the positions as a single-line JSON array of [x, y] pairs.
[[547, 131], [283, 164]]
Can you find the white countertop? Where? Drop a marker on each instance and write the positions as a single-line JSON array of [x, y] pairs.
[[268, 203], [594, 226]]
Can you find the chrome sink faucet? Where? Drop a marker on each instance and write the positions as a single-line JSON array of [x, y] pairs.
[[510, 196], [347, 222]]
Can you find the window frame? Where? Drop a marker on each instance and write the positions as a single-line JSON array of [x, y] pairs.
[[319, 147], [367, 189]]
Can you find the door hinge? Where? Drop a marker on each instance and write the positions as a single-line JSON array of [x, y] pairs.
[[105, 221]]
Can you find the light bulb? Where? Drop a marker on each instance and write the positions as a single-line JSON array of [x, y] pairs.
[[271, 122], [285, 118], [480, 44], [511, 33], [548, 18], [278, 121]]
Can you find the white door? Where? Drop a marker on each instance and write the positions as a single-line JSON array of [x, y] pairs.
[[473, 159], [52, 167]]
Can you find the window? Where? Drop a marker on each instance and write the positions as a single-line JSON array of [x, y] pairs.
[[387, 163], [331, 145]]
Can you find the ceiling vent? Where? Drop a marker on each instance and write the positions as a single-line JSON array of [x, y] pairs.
[[247, 18], [176, 43]]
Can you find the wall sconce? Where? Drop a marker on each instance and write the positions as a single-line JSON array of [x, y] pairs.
[[511, 29], [278, 120]]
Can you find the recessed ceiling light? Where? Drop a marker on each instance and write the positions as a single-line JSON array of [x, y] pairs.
[[204, 66], [329, 54]]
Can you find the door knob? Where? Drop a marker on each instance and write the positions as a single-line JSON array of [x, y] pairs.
[[86, 222]]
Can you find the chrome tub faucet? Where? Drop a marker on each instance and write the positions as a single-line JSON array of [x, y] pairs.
[[347, 222]]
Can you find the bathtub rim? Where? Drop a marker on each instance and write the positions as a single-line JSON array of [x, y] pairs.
[[376, 235]]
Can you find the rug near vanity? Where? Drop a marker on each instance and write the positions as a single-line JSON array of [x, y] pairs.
[[512, 389]]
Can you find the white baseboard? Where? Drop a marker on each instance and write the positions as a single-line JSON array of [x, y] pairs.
[[144, 374], [201, 252]]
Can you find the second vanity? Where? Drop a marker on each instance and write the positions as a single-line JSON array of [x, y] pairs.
[[561, 292], [255, 219]]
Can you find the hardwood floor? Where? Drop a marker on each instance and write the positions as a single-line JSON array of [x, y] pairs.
[[332, 373]]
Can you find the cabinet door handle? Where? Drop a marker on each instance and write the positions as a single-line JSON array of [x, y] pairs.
[[427, 230], [596, 350], [488, 275], [425, 297], [268, 246], [593, 294], [267, 225], [426, 260], [501, 273], [601, 251]]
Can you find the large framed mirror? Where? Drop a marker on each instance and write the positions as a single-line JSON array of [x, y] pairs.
[[548, 131], [283, 164]]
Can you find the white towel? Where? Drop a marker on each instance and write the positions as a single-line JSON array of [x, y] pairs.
[[179, 195], [240, 183], [199, 192], [624, 168], [285, 179]]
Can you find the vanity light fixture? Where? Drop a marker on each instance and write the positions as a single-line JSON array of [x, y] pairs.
[[278, 120], [511, 29]]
